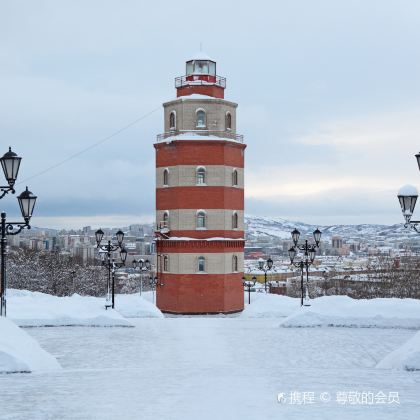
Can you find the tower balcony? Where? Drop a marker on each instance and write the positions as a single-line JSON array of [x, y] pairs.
[[200, 135], [200, 80]]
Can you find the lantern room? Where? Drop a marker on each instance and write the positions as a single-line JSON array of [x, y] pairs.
[[201, 78], [201, 65]]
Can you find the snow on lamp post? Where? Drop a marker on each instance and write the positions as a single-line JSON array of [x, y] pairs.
[[309, 253], [106, 251], [407, 196], [265, 266]]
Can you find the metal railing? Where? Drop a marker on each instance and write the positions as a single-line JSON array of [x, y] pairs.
[[217, 133], [200, 80]]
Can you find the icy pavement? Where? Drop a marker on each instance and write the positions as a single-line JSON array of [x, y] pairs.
[[212, 368]]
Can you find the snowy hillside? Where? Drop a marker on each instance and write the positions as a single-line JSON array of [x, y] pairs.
[[281, 228]]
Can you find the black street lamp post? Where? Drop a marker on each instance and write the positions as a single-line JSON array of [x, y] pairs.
[[407, 196], [265, 266], [109, 262], [249, 285], [143, 266], [153, 282], [309, 252], [10, 163]]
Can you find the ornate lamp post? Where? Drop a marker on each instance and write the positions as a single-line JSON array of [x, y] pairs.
[[309, 252], [265, 266], [407, 196], [249, 285], [143, 266], [153, 282], [110, 264], [10, 163]]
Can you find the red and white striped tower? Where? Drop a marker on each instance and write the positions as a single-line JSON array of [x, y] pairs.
[[200, 197]]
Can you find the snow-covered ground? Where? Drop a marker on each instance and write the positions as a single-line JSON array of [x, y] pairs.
[[214, 368], [235, 367], [34, 309], [339, 311], [405, 357], [19, 352]]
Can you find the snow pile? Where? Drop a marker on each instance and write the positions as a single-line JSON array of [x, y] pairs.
[[269, 306], [342, 311], [34, 309], [406, 357], [134, 306], [21, 353]]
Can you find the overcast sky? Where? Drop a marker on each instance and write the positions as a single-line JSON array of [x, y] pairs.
[[328, 94]]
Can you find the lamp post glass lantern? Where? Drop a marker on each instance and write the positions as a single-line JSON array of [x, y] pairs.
[[10, 163], [407, 196], [27, 202]]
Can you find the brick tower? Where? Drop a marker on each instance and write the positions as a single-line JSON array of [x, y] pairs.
[[200, 197]]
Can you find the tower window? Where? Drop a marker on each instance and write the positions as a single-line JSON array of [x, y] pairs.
[[201, 176], [201, 220], [228, 121], [166, 177], [172, 120], [201, 264], [166, 219], [235, 220], [235, 178], [201, 118], [235, 263], [165, 263]]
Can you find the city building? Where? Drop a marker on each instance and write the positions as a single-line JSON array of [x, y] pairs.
[[200, 197]]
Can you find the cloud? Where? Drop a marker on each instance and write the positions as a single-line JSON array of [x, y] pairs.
[[327, 93]]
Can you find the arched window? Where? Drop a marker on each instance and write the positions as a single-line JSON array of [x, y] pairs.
[[235, 220], [166, 177], [201, 219], [201, 264], [235, 178], [201, 118], [228, 121], [166, 219], [201, 175], [165, 263], [235, 263], [172, 120]]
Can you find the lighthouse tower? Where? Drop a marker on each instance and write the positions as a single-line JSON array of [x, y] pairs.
[[200, 197]]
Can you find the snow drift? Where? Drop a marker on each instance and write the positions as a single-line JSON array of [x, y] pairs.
[[343, 311], [35, 309], [21, 353], [134, 306], [269, 306], [406, 357]]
